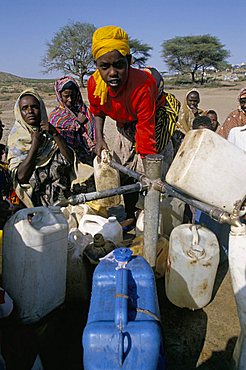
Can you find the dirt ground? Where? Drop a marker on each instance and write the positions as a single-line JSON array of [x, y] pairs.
[[202, 339]]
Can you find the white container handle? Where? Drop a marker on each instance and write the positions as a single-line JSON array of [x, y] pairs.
[[105, 156], [195, 235], [196, 250], [91, 218]]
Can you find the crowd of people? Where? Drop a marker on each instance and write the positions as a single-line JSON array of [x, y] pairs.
[[39, 160]]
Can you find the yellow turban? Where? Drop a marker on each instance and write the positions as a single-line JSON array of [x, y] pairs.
[[109, 38], [104, 40]]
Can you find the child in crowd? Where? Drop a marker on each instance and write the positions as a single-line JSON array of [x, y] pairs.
[[188, 111], [202, 122], [214, 119]]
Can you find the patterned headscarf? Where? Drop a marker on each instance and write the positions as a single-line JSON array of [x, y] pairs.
[[242, 94], [105, 40], [60, 85], [65, 121]]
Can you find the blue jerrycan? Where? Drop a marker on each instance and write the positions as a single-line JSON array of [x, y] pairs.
[[123, 330]]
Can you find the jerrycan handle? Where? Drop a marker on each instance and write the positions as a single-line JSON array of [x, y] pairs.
[[122, 256], [26, 213], [196, 250], [121, 309], [121, 298], [105, 156]]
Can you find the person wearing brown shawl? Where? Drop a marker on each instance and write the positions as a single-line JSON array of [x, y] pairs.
[[237, 117]]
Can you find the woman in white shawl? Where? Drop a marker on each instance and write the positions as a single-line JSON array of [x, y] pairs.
[[39, 160]]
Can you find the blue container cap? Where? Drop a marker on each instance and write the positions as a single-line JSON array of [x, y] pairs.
[[122, 254]]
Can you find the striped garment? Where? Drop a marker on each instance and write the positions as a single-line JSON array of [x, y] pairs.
[[79, 137], [67, 125], [166, 117]]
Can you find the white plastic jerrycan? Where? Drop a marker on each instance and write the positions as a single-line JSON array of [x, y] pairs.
[[210, 169], [73, 214], [77, 282], [108, 227], [192, 265], [171, 215], [237, 264], [106, 177], [35, 261]]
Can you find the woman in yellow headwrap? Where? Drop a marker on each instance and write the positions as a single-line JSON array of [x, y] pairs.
[[127, 95]]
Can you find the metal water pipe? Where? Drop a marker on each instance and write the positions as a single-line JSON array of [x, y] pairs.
[[152, 166], [86, 197]]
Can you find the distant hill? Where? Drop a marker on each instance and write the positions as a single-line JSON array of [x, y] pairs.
[[10, 83], [8, 77]]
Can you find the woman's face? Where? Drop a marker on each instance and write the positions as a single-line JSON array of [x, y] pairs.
[[193, 99], [113, 67], [69, 97], [214, 119], [30, 110], [243, 104]]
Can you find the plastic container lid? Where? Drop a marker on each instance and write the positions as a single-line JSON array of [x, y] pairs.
[[122, 254]]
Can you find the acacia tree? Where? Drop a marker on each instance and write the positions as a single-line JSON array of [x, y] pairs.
[[191, 54], [140, 52], [70, 51]]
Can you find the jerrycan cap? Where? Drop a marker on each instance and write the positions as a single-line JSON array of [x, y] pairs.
[[122, 254], [196, 251], [112, 219]]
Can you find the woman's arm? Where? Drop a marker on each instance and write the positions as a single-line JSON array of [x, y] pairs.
[[100, 142], [64, 149], [26, 168]]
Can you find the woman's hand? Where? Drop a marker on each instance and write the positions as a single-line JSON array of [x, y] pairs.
[[26, 168], [100, 145], [194, 109], [64, 149], [47, 127], [81, 118]]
